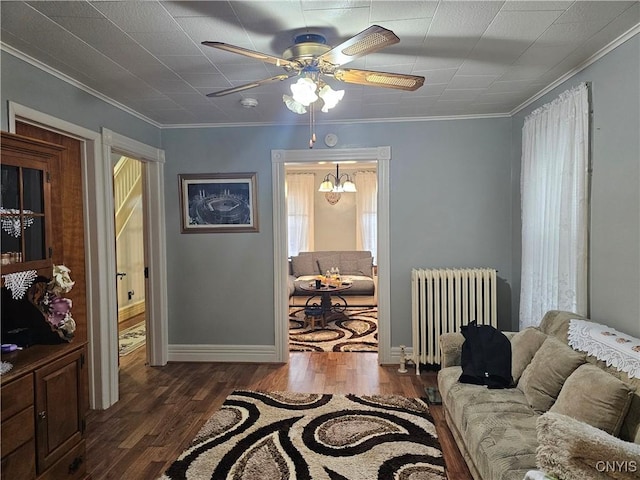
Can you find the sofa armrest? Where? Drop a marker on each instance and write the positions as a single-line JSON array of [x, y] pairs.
[[451, 349], [574, 450]]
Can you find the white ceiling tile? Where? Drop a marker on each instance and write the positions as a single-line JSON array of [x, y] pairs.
[[471, 81], [244, 72], [536, 5], [188, 64], [138, 16], [594, 11], [168, 43], [73, 9], [226, 30], [213, 80], [199, 9], [477, 57], [382, 11]]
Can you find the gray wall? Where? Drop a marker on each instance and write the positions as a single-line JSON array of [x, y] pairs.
[[29, 86], [450, 206], [615, 193]]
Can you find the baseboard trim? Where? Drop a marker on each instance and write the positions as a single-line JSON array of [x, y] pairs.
[[130, 311], [223, 353]]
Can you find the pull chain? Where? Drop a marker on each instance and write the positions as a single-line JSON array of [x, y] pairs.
[[312, 133]]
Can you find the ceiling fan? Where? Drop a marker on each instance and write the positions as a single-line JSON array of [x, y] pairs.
[[310, 57]]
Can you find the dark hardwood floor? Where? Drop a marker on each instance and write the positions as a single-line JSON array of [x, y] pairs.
[[162, 408]]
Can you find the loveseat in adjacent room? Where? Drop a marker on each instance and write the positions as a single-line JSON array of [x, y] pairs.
[[355, 267]]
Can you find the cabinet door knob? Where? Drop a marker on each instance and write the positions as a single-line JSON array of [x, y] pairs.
[[42, 415]]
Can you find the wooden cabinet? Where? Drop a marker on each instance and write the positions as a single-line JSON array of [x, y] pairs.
[[44, 397], [25, 202], [43, 413]]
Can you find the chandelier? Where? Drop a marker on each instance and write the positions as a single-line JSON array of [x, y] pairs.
[[338, 185]]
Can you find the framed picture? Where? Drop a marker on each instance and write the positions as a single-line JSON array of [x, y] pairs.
[[218, 202]]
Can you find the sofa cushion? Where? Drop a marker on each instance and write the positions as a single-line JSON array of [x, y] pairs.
[[542, 380], [303, 265], [357, 266], [328, 262], [524, 346], [593, 396]]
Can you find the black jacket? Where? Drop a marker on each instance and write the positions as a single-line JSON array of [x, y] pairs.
[[486, 357]]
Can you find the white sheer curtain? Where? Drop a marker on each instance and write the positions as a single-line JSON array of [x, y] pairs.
[[554, 186], [367, 212], [300, 190]]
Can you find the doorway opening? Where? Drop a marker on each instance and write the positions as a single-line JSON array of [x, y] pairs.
[[128, 201], [338, 230], [279, 158]]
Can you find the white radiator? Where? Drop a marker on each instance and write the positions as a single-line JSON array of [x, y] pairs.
[[443, 300]]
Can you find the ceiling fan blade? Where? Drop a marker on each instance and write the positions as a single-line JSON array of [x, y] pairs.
[[368, 41], [280, 62], [248, 86], [373, 78]]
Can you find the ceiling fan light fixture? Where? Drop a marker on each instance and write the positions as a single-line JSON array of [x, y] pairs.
[[304, 91], [330, 97], [292, 105]]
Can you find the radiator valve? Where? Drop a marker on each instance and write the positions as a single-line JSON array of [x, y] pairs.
[[403, 360]]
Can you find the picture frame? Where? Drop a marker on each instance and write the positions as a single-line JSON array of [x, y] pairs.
[[218, 202]]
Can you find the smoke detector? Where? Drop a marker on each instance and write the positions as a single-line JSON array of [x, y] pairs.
[[249, 102]]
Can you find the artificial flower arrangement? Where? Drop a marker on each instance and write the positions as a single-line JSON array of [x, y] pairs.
[[47, 297]]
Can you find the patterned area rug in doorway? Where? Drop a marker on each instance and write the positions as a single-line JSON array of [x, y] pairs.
[[299, 436], [357, 333], [131, 339]]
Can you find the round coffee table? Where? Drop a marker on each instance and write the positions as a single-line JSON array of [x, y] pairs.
[[330, 310]]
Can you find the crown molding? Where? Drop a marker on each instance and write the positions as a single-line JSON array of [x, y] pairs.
[[632, 32], [71, 81]]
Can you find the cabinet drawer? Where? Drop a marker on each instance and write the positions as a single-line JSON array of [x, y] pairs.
[[17, 430], [72, 466], [17, 396], [20, 463]]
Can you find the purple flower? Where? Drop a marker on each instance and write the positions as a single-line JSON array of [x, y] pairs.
[[59, 308]]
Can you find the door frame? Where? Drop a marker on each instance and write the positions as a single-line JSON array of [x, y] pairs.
[[380, 155], [97, 182]]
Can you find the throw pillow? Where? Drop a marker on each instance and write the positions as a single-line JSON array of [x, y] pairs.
[[596, 397], [303, 265], [524, 346], [328, 262], [356, 266], [542, 380], [365, 266]]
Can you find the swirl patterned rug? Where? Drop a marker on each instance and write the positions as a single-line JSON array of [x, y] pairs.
[[358, 333], [298, 436]]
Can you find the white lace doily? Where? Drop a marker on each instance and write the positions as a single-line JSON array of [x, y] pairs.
[[617, 349], [11, 221], [18, 283], [5, 367]]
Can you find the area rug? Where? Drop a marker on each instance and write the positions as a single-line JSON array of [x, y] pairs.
[[298, 436], [358, 333], [131, 339]]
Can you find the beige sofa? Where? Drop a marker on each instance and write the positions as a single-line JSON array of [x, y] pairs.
[[355, 267], [568, 415]]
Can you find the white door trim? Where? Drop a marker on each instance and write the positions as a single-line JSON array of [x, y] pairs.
[[381, 155], [154, 239], [100, 269]]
